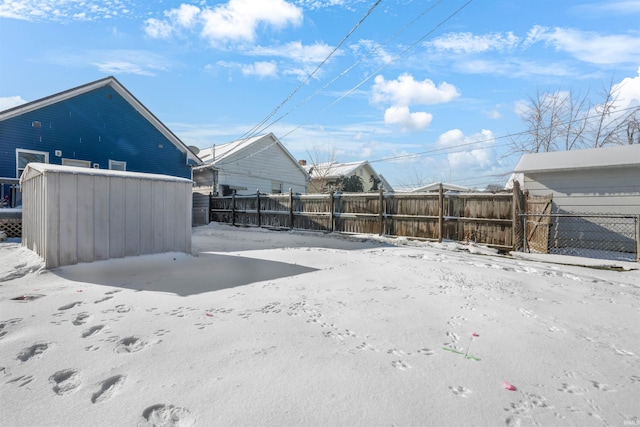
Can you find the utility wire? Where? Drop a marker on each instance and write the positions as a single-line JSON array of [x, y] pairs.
[[349, 92], [352, 66], [254, 130], [372, 74]]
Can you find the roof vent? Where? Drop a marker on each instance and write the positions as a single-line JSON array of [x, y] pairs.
[[36, 124]]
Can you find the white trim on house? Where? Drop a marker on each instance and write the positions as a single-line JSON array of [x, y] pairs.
[[24, 150]]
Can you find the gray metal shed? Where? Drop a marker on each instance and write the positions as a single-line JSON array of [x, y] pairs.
[[73, 215]]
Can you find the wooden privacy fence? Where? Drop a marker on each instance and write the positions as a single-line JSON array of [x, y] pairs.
[[486, 218]]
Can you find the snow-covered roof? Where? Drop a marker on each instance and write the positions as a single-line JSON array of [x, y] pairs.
[[122, 91], [335, 170], [604, 157], [216, 154], [34, 169]]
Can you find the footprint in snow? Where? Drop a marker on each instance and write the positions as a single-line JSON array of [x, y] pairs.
[[94, 330], [167, 416], [34, 351], [132, 345], [6, 324], [69, 306], [81, 319], [460, 391], [108, 389], [65, 381]]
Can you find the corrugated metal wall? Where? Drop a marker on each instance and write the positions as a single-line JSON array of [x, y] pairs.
[[73, 215]]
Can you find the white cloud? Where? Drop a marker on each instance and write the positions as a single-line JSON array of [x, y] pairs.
[[370, 48], [157, 29], [294, 50], [471, 152], [118, 61], [401, 115], [238, 20], [588, 46], [186, 15], [406, 91], [122, 67], [261, 69], [628, 91], [235, 21], [63, 10], [470, 43], [10, 102]]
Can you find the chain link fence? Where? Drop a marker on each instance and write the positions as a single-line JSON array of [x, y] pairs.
[[605, 236]]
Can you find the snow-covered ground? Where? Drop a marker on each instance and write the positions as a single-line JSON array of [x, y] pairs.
[[266, 328]]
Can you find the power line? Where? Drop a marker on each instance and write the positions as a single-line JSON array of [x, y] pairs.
[[352, 66], [410, 47], [255, 128]]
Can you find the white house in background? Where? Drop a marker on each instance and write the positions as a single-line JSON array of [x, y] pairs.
[[325, 175], [435, 186], [598, 180], [244, 167]]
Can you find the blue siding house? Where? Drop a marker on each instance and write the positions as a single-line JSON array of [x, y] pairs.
[[96, 125]]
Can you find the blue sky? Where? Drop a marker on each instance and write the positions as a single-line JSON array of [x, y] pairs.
[[425, 90]]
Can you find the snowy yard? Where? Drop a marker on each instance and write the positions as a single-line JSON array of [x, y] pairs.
[[267, 328]]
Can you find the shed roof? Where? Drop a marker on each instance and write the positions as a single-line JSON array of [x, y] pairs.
[[122, 91], [34, 169], [604, 157]]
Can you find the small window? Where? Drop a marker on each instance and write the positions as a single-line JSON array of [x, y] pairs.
[[276, 187], [77, 163], [117, 165], [24, 157]]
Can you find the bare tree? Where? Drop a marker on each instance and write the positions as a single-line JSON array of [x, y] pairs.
[[320, 160], [564, 120]]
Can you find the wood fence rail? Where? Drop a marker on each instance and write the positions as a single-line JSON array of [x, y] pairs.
[[486, 218]]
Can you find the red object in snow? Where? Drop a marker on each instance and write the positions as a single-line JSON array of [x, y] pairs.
[[474, 335], [208, 314], [509, 386]]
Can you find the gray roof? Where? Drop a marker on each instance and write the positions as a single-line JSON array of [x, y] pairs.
[[604, 157]]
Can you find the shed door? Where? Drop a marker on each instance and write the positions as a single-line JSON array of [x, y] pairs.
[[538, 218]]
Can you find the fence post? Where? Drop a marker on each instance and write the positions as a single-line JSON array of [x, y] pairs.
[[258, 206], [233, 208], [290, 209], [331, 210], [525, 238], [209, 211], [638, 238], [440, 213], [515, 202], [381, 207]]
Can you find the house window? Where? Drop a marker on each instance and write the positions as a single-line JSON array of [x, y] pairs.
[[117, 165], [276, 187], [23, 157], [76, 163]]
